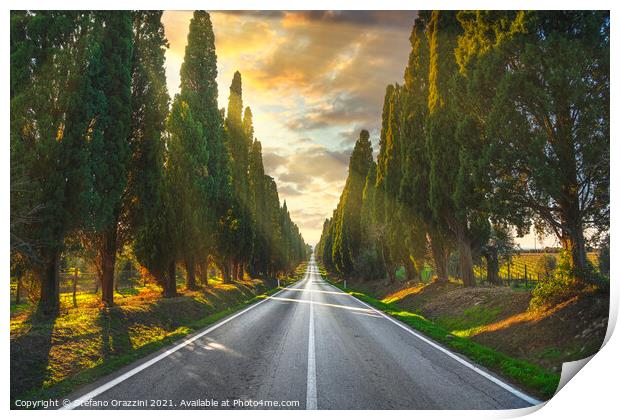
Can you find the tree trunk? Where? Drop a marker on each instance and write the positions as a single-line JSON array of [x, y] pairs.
[[387, 267], [18, 289], [440, 257], [49, 281], [226, 271], [235, 271], [190, 266], [492, 267], [203, 273], [391, 273], [107, 261], [574, 242], [170, 285], [465, 259], [410, 269]]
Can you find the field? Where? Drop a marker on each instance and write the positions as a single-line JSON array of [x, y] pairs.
[[526, 267], [523, 270]]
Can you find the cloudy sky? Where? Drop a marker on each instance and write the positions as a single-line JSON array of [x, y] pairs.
[[313, 81]]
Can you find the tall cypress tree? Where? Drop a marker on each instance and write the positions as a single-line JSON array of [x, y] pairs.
[[109, 144], [144, 208], [186, 186], [445, 153], [272, 223], [349, 234], [199, 90], [260, 250], [51, 55], [238, 147], [368, 264], [388, 181], [415, 211]]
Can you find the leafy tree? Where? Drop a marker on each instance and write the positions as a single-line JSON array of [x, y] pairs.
[[51, 75], [144, 207], [459, 188], [348, 235], [389, 172], [237, 131], [495, 244], [368, 264], [324, 249], [187, 179], [272, 223], [109, 143], [415, 210], [199, 91], [549, 118], [260, 251]]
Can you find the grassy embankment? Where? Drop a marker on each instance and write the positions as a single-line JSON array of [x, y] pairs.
[[50, 358], [495, 328]]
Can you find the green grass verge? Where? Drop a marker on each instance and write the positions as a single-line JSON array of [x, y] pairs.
[[534, 379], [113, 363]]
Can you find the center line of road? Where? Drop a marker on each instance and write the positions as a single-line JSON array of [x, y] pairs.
[[311, 403]]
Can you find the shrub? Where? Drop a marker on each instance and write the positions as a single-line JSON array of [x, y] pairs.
[[561, 284], [555, 287]]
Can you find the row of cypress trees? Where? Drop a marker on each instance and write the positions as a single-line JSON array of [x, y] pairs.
[[502, 122], [100, 158]]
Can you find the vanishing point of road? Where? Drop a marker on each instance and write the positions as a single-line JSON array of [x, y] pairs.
[[309, 346]]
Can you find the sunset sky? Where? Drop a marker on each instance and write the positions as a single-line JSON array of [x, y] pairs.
[[313, 81]]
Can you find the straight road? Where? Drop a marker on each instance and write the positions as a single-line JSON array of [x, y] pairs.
[[310, 346]]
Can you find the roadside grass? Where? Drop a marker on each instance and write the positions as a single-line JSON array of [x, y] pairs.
[[473, 320], [533, 378], [51, 358]]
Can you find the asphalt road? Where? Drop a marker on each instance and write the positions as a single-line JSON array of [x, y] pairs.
[[309, 346]]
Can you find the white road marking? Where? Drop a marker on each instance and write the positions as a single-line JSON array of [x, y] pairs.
[[333, 305], [311, 401], [462, 361], [103, 388]]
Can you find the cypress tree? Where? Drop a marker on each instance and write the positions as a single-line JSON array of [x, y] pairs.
[[348, 236], [237, 142], [260, 251], [186, 184], [445, 153], [388, 181], [199, 90], [51, 55], [368, 264], [144, 206], [415, 211], [272, 222], [109, 144]]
